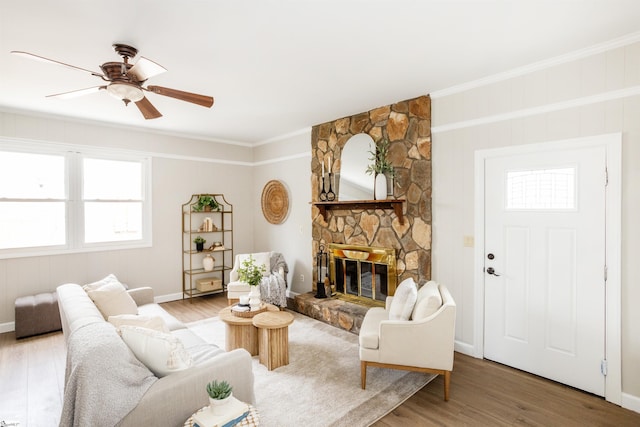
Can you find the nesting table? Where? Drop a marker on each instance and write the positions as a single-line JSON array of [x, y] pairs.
[[273, 337], [240, 332]]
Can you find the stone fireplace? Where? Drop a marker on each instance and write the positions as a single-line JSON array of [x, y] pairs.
[[362, 273], [407, 127]]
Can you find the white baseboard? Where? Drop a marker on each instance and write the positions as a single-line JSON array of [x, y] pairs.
[[464, 348], [631, 402], [7, 327], [167, 298]]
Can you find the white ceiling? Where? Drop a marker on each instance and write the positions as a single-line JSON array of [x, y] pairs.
[[277, 66]]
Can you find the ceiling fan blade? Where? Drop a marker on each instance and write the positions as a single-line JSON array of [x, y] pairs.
[[145, 69], [76, 93], [53, 61], [205, 101], [147, 109]]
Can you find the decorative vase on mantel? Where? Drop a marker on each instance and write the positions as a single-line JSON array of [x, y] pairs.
[[380, 187]]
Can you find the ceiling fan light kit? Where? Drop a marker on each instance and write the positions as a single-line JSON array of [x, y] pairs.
[[126, 81]]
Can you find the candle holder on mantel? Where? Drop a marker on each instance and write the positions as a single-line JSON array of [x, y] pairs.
[[322, 259]]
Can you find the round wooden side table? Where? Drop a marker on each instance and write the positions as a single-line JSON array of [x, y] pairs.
[[273, 337], [240, 332]]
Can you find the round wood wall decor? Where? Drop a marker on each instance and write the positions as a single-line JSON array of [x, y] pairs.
[[275, 202]]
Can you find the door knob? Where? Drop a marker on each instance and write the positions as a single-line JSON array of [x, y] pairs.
[[490, 270]]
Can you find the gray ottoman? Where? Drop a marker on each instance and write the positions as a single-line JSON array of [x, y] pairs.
[[37, 314]]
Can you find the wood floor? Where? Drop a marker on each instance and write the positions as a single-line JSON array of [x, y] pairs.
[[483, 393]]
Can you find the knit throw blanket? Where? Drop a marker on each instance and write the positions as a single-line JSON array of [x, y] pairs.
[[103, 380]]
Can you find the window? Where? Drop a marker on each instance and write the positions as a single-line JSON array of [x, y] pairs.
[[541, 189], [57, 199]]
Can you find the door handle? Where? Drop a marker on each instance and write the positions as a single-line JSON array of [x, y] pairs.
[[491, 271]]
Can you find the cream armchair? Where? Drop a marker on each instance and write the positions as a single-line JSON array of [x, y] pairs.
[[423, 344], [274, 282]]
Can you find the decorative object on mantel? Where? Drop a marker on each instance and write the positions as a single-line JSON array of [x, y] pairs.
[[381, 168], [208, 262], [199, 241], [327, 195], [322, 265], [275, 202]]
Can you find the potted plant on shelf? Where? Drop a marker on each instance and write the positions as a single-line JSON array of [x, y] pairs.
[[199, 241], [206, 203], [250, 273], [220, 394], [381, 168]]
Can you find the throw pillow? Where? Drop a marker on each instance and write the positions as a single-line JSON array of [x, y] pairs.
[[160, 352], [150, 322], [111, 278], [111, 298], [429, 301], [403, 300]]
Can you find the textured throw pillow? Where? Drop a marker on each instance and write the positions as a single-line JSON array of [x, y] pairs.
[[160, 352], [150, 322], [111, 297], [403, 300], [429, 301]]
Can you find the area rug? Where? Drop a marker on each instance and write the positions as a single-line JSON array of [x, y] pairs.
[[320, 386]]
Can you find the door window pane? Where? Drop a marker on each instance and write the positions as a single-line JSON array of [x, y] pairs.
[[551, 189]]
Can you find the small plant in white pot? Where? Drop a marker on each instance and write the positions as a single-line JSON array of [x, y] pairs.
[[220, 394], [252, 274]]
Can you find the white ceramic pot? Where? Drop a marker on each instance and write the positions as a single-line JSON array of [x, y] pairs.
[[380, 187], [219, 407], [254, 297], [208, 262]]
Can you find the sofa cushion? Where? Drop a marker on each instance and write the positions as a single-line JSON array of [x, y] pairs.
[[157, 311], [428, 302], [162, 353], [111, 298], [150, 322], [370, 328], [403, 300]]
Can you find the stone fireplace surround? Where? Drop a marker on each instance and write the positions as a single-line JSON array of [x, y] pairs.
[[407, 126]]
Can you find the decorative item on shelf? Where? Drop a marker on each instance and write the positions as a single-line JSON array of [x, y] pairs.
[[216, 246], [199, 241], [206, 203], [209, 285], [208, 225], [322, 263], [331, 196], [208, 262], [220, 394], [381, 169]]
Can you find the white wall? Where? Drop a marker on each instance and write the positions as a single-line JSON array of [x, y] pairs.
[[181, 167], [289, 161], [592, 95]]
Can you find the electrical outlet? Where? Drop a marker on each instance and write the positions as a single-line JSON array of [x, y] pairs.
[[468, 241], [302, 278]]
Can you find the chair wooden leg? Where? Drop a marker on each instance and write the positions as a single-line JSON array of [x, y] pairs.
[[447, 383], [363, 373]]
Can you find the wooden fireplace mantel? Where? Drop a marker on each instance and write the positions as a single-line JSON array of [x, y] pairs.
[[395, 204]]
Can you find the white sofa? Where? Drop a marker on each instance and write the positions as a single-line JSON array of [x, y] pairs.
[[96, 356], [423, 343]]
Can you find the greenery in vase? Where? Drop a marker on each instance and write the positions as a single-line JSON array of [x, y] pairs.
[[379, 162], [206, 200], [219, 390], [199, 240], [249, 272]]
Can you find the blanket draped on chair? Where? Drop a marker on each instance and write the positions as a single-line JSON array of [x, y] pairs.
[[104, 381]]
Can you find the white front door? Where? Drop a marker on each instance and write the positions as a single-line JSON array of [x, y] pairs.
[[544, 263]]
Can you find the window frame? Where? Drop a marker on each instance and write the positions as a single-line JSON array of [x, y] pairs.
[[74, 203]]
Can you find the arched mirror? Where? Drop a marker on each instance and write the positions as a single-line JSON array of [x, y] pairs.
[[355, 183]]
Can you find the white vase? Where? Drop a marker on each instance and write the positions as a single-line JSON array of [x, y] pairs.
[[380, 187], [208, 262], [219, 407], [254, 297]]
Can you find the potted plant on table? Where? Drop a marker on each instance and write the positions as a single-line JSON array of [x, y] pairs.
[[199, 241], [381, 168], [206, 203], [220, 394], [250, 273]]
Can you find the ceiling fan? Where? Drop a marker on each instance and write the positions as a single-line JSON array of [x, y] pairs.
[[125, 81]]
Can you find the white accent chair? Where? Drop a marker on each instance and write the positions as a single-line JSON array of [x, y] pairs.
[[423, 344], [236, 288]]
